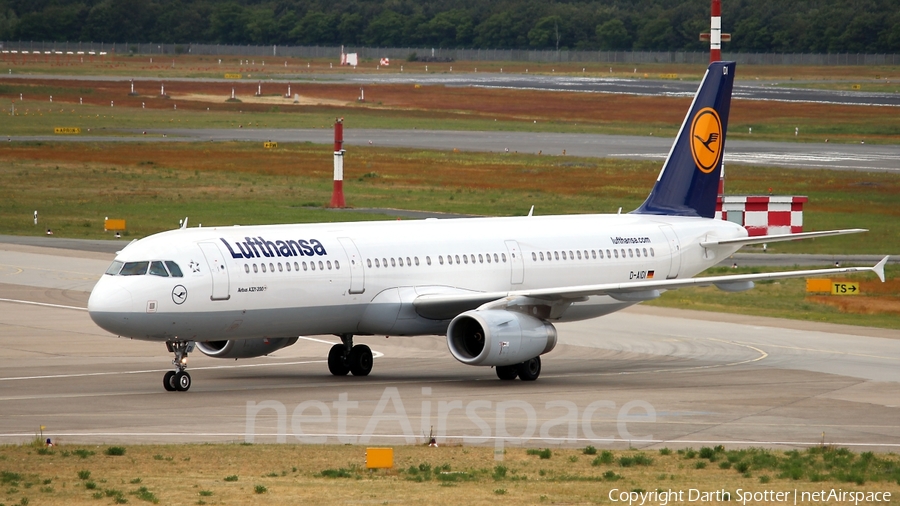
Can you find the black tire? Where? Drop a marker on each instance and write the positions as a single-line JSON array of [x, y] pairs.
[[169, 381], [360, 360], [529, 370], [182, 381], [507, 372], [337, 365]]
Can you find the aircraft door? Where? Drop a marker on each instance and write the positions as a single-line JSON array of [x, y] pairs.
[[221, 284], [516, 263], [674, 251], [357, 271]]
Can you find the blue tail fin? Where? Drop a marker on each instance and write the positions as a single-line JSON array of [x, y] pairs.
[[688, 182]]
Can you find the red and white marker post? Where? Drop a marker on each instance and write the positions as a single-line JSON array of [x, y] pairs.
[[337, 194], [715, 32]]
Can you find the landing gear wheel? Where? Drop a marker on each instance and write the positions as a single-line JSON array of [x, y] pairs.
[[337, 364], [169, 381], [182, 381], [178, 380], [529, 370], [507, 372], [360, 360]]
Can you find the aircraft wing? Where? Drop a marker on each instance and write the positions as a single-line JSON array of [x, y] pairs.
[[743, 241], [446, 306]]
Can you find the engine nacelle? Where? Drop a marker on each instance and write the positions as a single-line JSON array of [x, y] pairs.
[[244, 348], [497, 337]]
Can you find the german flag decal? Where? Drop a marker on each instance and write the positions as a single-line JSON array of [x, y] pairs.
[[706, 139], [649, 274]]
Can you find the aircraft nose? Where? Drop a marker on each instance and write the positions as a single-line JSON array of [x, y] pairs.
[[109, 306]]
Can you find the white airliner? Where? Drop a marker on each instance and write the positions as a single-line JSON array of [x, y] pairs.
[[493, 286]]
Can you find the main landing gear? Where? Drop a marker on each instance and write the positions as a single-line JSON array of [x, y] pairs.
[[178, 379], [345, 357], [528, 370]]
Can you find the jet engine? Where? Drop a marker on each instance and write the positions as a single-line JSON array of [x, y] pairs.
[[244, 348], [497, 337]]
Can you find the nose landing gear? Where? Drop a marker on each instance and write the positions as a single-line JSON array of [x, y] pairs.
[[179, 379]]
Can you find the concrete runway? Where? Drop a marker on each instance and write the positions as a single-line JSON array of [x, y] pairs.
[[745, 89], [644, 377], [861, 157]]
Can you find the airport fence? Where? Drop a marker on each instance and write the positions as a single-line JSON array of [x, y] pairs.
[[403, 53]]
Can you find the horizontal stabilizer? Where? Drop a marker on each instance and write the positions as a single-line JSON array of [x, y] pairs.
[[743, 241]]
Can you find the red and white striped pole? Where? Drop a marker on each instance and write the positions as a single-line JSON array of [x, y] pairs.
[[715, 32], [337, 194]]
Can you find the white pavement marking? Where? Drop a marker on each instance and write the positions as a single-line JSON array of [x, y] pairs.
[[44, 304]]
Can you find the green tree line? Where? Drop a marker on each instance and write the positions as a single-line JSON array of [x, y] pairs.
[[820, 26]]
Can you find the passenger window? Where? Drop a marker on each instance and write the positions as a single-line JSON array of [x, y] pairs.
[[593, 254], [651, 252], [417, 261], [114, 268], [134, 269], [296, 267], [312, 266], [158, 269], [304, 266], [328, 263], [585, 254], [247, 268], [337, 265], [616, 252], [465, 259], [488, 257], [495, 258], [637, 252], [272, 267], [556, 254], [428, 260], [449, 259], [287, 265], [608, 255], [280, 268], [457, 259], [503, 257], [369, 262], [377, 263], [542, 256], [174, 270], [321, 267], [255, 269], [263, 267], [630, 253], [579, 255], [473, 258], [601, 254], [393, 263], [571, 256], [384, 262], [623, 252], [409, 264], [564, 255], [533, 256]]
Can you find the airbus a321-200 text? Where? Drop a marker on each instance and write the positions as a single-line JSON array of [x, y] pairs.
[[494, 286]]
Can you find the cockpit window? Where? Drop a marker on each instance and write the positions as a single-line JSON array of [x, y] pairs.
[[174, 269], [134, 269], [158, 269], [114, 268]]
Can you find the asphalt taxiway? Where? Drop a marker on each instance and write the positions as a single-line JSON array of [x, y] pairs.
[[644, 377]]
